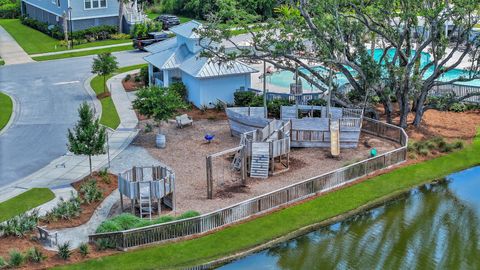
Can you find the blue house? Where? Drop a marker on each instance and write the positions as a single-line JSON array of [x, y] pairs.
[[84, 13], [178, 59]]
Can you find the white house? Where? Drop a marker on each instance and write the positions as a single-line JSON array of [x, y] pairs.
[[178, 59]]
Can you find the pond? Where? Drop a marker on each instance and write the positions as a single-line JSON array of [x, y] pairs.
[[436, 226]]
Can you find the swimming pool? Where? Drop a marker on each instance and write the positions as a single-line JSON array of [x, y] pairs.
[[285, 78]]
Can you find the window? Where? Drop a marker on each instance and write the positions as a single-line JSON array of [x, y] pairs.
[[89, 4]]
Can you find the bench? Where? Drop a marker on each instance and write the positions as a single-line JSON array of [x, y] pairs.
[[183, 120], [47, 237]]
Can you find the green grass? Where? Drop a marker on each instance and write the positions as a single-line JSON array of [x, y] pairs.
[[24, 202], [6, 107], [34, 42], [260, 230], [2, 62], [82, 53], [110, 116]]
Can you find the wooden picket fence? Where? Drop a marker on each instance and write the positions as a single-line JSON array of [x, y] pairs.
[[269, 201]]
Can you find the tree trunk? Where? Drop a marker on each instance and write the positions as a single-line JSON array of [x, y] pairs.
[[90, 163], [420, 109], [388, 107]]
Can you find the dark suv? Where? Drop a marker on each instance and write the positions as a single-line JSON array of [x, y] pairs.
[[168, 20]]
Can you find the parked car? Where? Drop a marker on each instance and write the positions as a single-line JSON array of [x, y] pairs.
[[168, 21], [153, 37]]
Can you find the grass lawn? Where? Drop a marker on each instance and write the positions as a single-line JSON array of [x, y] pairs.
[[24, 202], [83, 53], [260, 230], [33, 41], [6, 107], [110, 116]]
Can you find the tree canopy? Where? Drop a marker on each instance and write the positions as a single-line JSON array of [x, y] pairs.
[[380, 47], [103, 65], [88, 136]]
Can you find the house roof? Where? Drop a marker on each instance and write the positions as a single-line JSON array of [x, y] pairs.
[[201, 67], [162, 46], [186, 29], [170, 58]]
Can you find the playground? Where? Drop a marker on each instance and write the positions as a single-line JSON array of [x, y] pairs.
[[186, 151]]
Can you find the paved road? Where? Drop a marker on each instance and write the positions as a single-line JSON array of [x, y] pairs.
[[47, 95]]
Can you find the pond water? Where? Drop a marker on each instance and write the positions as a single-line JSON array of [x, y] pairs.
[[436, 226], [285, 78]]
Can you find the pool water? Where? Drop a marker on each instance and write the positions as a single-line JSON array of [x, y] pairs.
[[436, 226], [285, 78]]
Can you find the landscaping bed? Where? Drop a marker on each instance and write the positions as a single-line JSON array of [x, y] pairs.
[[133, 82], [106, 184]]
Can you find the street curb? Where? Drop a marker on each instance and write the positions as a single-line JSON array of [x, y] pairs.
[[97, 106], [14, 115]]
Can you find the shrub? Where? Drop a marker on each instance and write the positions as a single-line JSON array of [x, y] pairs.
[[274, 106], [2, 262], [144, 75], [180, 89], [141, 30], [100, 32], [55, 31], [188, 214], [104, 244], [458, 144], [108, 226], [148, 128], [91, 192], [127, 78], [119, 36], [218, 106], [9, 9], [35, 255], [65, 209], [423, 152], [163, 219], [20, 224], [84, 249], [317, 102], [203, 108], [243, 98], [458, 107], [64, 251], [16, 258]]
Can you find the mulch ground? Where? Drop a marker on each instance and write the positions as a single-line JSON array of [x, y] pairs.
[[131, 85], [107, 188]]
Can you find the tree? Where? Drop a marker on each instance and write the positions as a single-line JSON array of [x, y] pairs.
[[158, 103], [104, 65], [88, 136], [340, 34]]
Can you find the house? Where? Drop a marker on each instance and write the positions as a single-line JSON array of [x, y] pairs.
[[179, 59], [84, 13]]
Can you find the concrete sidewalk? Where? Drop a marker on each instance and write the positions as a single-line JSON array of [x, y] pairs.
[[82, 50], [10, 51], [70, 168]]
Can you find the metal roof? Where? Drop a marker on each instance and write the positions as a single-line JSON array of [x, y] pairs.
[[186, 29], [201, 67], [162, 45]]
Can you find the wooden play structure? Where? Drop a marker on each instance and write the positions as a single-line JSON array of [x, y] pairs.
[[147, 188], [310, 125], [261, 152]]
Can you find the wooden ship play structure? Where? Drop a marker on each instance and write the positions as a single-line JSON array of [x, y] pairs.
[[265, 144], [147, 188]]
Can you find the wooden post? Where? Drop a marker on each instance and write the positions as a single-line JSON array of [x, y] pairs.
[[121, 202], [209, 178], [243, 170]]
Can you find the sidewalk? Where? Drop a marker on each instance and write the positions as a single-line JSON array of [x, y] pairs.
[[82, 50], [70, 168], [10, 51]]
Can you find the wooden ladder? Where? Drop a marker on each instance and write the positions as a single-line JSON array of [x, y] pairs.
[[145, 202], [260, 160]]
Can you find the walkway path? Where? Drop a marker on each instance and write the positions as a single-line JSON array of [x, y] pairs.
[[10, 51], [82, 50]]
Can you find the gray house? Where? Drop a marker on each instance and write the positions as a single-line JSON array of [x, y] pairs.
[[84, 13]]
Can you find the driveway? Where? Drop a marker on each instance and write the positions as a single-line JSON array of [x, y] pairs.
[[47, 95]]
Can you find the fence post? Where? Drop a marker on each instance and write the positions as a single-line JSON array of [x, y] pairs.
[[209, 178]]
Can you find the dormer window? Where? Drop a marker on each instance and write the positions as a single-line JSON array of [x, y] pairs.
[[91, 4]]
